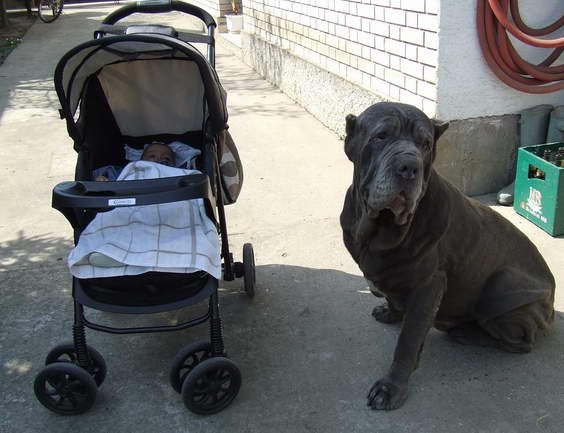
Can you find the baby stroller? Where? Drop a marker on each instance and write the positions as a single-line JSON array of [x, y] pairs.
[[135, 85]]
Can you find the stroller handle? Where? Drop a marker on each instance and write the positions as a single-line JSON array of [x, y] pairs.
[[159, 6]]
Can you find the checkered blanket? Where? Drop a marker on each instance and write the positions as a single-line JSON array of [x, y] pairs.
[[169, 237]]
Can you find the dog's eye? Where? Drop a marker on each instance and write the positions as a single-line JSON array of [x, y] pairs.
[[380, 136], [427, 144]]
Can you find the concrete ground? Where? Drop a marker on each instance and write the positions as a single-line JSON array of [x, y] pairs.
[[307, 346]]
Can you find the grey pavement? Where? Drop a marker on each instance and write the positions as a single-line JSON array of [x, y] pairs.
[[307, 346]]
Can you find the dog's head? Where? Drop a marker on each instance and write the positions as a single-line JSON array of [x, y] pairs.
[[392, 147]]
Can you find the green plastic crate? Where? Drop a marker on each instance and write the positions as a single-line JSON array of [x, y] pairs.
[[539, 189]]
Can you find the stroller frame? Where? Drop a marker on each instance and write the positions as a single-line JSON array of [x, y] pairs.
[[77, 366]]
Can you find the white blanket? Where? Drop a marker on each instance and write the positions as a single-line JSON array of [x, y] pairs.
[[169, 237]]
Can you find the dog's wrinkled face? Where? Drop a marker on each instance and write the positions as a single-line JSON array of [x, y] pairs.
[[392, 147]]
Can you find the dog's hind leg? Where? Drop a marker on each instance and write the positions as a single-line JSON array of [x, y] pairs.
[[470, 333], [515, 308], [387, 313], [517, 330]]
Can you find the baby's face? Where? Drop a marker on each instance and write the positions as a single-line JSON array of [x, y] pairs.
[[160, 153]]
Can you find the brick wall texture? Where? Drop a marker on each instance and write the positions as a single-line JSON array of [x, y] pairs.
[[216, 8], [387, 46]]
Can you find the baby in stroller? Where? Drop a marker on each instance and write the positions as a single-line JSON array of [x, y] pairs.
[[144, 84], [168, 237], [156, 152], [175, 154], [159, 153]]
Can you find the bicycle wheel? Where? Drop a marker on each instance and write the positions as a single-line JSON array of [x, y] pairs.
[[49, 10]]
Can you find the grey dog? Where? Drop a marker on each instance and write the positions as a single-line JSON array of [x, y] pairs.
[[438, 257]]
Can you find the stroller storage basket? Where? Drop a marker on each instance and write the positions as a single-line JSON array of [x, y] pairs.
[[151, 292]]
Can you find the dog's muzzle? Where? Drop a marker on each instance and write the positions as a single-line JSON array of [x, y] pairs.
[[394, 191]]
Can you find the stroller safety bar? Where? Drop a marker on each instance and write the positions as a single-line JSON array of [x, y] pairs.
[[108, 195]]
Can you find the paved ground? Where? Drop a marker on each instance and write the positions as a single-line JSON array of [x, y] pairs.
[[306, 345], [12, 35]]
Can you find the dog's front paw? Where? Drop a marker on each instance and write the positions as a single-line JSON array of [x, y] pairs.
[[386, 395], [385, 314]]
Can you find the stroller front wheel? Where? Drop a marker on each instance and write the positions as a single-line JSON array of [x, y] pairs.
[[65, 388], [211, 386], [66, 352], [185, 360]]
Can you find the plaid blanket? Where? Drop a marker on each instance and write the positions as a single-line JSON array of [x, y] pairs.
[[169, 237]]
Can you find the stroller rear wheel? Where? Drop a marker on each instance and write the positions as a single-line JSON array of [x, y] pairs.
[[211, 386], [65, 388], [249, 275], [66, 352], [185, 361]]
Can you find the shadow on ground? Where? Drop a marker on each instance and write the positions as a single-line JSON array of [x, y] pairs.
[[29, 251], [307, 348]]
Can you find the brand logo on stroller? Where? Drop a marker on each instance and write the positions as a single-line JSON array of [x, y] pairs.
[[122, 202]]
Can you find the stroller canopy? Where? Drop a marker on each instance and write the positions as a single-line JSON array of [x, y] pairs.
[[153, 84]]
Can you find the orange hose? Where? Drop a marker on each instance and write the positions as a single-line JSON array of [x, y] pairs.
[[503, 58], [516, 15], [503, 19]]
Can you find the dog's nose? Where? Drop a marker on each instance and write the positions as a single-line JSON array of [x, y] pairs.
[[408, 169]]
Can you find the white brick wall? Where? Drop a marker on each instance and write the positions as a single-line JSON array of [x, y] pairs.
[[217, 8], [387, 46]]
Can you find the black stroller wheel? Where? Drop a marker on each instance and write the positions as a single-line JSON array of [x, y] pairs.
[[66, 352], [65, 388], [211, 386], [185, 361], [249, 273]]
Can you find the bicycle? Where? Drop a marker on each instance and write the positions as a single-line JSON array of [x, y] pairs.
[[49, 10]]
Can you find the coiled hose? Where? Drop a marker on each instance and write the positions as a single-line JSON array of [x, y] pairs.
[[493, 24]]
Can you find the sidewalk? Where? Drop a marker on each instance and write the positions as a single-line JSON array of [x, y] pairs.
[[307, 346]]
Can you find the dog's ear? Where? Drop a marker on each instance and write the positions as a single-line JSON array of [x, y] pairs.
[[440, 127], [351, 123], [350, 129]]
